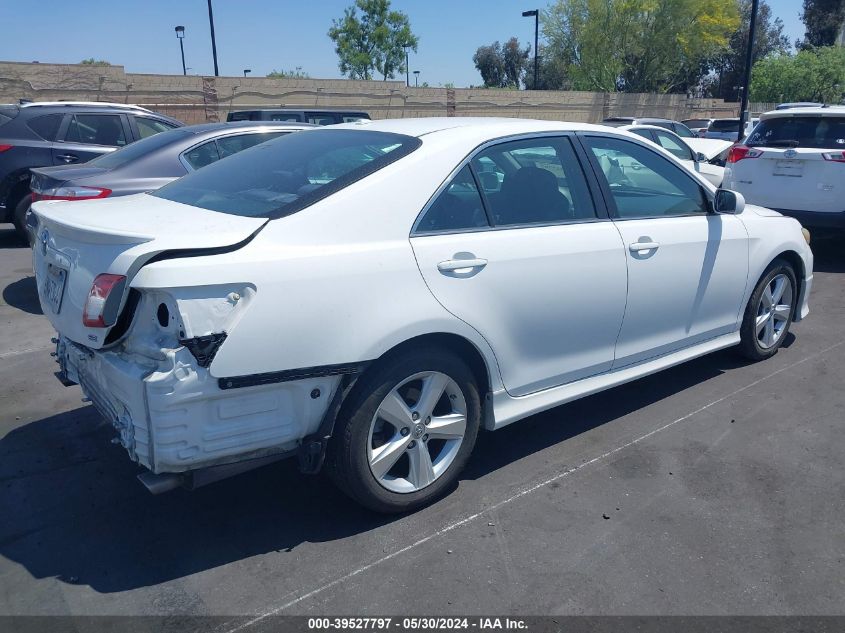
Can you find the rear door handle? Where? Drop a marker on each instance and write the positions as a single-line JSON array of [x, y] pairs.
[[460, 264], [68, 158], [636, 247]]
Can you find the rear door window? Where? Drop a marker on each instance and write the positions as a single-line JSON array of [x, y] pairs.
[[822, 132], [47, 126], [96, 129], [201, 155], [149, 127], [673, 145], [459, 207], [229, 145]]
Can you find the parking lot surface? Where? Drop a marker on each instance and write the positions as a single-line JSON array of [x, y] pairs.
[[716, 487]]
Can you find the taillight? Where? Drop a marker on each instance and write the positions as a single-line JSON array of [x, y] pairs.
[[4, 148], [741, 152], [103, 301], [70, 193], [836, 157]]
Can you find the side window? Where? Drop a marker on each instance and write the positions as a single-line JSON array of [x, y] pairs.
[[148, 127], [682, 130], [674, 146], [229, 145], [643, 183], [285, 117], [646, 134], [201, 155], [534, 181], [322, 119], [96, 129], [457, 207], [46, 126]]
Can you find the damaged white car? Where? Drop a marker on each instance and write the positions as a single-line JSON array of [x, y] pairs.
[[373, 294]]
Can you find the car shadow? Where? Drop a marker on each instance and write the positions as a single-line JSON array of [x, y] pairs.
[[74, 510], [23, 295]]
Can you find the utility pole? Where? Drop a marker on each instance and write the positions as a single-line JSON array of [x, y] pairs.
[[536, 14], [746, 78], [407, 69], [213, 41]]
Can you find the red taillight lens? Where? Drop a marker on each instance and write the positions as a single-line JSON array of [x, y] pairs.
[[836, 157], [71, 193], [4, 148], [741, 152], [103, 300]]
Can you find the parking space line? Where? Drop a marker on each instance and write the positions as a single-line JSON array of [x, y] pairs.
[[527, 491], [25, 351]]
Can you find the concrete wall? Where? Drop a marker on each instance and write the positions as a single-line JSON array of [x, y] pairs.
[[195, 99]]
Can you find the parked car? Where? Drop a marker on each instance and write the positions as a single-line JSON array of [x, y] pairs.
[[727, 129], [60, 133], [678, 128], [798, 104], [358, 293], [318, 117], [698, 126], [794, 161], [699, 155]]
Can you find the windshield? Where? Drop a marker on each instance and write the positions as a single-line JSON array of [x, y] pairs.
[[823, 132], [136, 150], [725, 125], [287, 174]]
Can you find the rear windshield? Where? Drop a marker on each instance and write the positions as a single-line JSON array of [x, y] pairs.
[[287, 174], [823, 132], [725, 125], [136, 150], [696, 122]]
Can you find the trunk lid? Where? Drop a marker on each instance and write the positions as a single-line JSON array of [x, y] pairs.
[[76, 241]]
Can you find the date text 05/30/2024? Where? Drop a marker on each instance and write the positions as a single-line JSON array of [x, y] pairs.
[[417, 623]]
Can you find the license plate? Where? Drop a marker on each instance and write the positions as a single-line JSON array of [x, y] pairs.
[[793, 168], [54, 287]]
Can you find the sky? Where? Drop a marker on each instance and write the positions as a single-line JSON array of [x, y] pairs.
[[264, 35]]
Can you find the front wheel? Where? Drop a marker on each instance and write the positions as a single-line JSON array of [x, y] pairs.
[[406, 431], [768, 314]]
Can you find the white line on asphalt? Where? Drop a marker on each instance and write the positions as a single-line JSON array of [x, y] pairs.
[[25, 351], [524, 492]]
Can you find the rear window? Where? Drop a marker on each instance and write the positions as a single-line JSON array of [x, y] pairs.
[[725, 125], [696, 122], [823, 132], [47, 126], [136, 150], [285, 175]]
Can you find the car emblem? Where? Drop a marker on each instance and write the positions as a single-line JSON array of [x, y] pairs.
[[44, 238], [790, 153]]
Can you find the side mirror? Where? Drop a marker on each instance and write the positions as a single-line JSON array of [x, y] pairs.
[[700, 157], [729, 202]]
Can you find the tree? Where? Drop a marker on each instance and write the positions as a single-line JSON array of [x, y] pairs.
[[810, 75], [297, 73], [94, 62], [636, 45], [502, 66], [373, 42], [769, 39], [824, 20]]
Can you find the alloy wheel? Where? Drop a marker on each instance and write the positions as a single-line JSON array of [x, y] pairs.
[[773, 311]]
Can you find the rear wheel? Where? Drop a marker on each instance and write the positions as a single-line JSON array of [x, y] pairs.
[[768, 314], [19, 218], [406, 431]]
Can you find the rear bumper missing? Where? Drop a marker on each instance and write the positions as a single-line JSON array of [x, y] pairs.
[[172, 417]]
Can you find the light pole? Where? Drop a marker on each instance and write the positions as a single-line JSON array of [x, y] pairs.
[[746, 76], [213, 41], [247, 71], [180, 35], [407, 68], [416, 79], [535, 13]]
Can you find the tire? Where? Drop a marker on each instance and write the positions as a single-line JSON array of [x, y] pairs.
[[19, 217], [765, 327], [372, 420]]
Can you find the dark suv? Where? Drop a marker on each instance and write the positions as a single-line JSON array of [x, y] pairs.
[[62, 133]]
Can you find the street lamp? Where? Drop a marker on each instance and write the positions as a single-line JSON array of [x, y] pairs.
[[213, 41], [407, 67], [247, 71], [746, 76], [180, 35], [535, 13], [416, 79]]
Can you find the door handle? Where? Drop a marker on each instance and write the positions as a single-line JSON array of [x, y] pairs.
[[460, 264], [68, 158], [636, 247]]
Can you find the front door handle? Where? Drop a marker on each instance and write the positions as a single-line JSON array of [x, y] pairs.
[[68, 158], [636, 247], [460, 264]]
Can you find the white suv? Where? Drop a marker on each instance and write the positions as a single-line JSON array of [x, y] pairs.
[[794, 162]]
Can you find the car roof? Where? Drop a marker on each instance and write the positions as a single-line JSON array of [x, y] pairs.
[[646, 126], [201, 128], [470, 126], [302, 109], [792, 112]]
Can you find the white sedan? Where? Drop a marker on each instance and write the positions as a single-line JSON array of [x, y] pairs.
[[375, 293]]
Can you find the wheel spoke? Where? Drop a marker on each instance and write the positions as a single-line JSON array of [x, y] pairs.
[[761, 322], [394, 410], [769, 333], [781, 312], [779, 287], [384, 457], [447, 427], [432, 390], [421, 471], [767, 297]]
